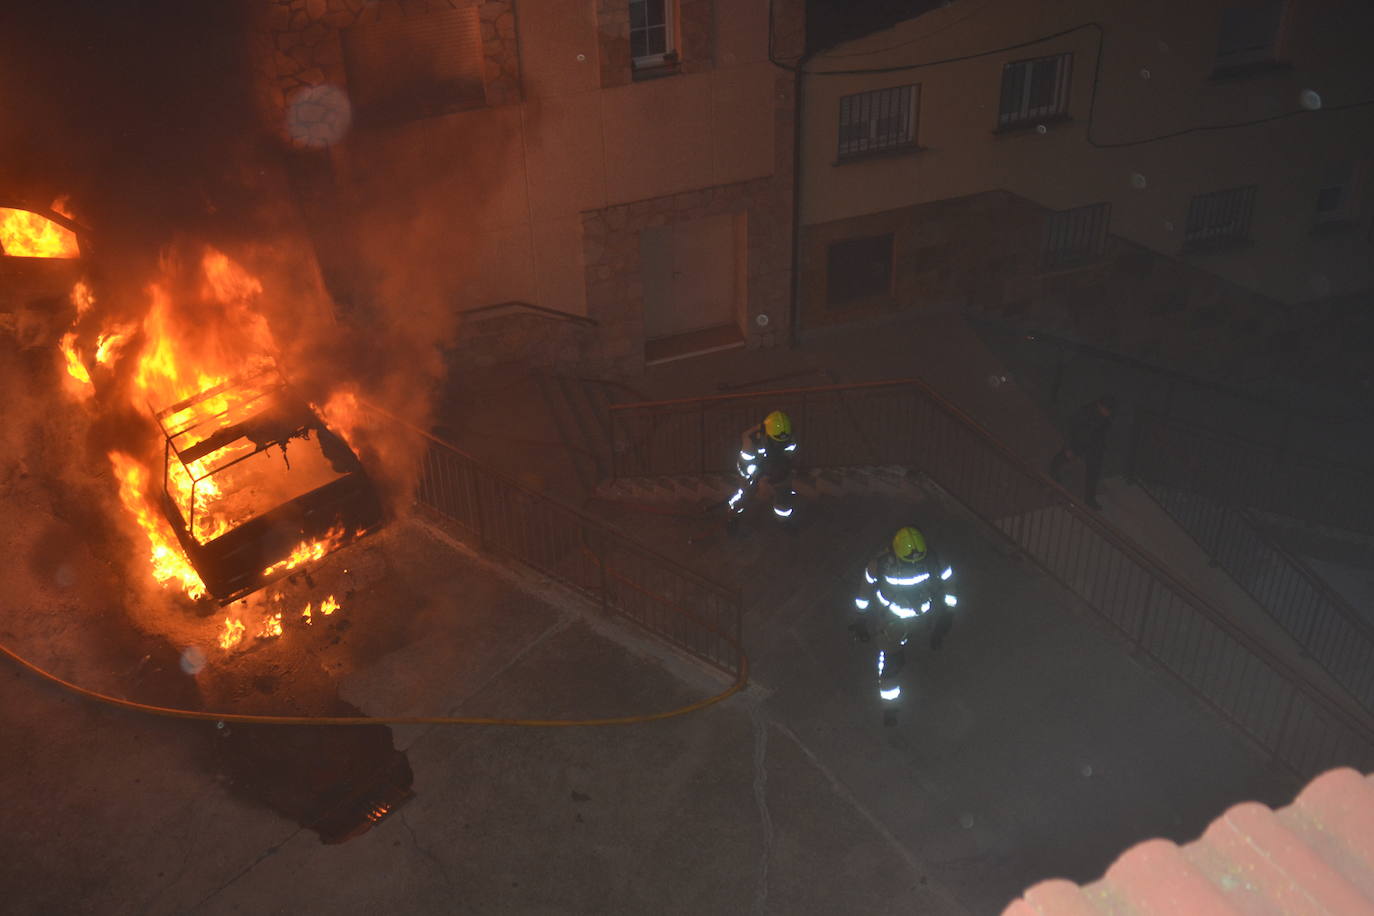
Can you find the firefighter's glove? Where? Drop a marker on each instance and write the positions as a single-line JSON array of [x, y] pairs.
[[859, 630]]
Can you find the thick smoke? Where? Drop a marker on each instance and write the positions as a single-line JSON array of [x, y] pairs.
[[143, 116]]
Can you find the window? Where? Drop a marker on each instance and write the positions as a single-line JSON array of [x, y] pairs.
[[1249, 34], [1033, 90], [879, 120], [651, 33], [1219, 218], [858, 269], [401, 68], [1074, 236], [1336, 201]]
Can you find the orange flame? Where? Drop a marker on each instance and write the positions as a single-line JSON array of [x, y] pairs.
[[108, 345], [82, 298], [327, 607], [308, 551], [75, 367], [168, 561], [25, 234], [271, 626], [232, 634], [342, 413]]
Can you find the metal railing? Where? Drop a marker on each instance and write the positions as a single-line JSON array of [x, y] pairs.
[[1069, 371], [1320, 621], [904, 422], [1241, 472], [702, 617]]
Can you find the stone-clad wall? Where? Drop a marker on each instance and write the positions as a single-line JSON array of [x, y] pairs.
[[297, 46], [611, 235], [615, 281]]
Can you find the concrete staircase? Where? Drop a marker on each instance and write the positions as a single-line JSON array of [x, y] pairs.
[[707, 490], [580, 409]]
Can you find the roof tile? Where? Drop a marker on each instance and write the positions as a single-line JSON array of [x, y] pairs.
[[1315, 856]]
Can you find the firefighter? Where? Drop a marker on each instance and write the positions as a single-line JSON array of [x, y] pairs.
[[766, 451], [905, 589]]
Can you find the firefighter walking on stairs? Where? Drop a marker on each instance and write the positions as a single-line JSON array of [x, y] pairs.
[[766, 452], [905, 590]]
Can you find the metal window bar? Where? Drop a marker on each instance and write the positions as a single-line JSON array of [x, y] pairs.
[[1074, 236], [1276, 706], [1034, 89], [878, 120], [699, 616], [1220, 215]]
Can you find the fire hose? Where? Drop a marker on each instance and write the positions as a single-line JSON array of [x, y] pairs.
[[224, 718]]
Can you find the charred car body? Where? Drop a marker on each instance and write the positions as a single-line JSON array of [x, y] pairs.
[[255, 484]]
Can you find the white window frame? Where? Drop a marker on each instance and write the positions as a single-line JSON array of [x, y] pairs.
[[669, 52], [1023, 113], [873, 108]]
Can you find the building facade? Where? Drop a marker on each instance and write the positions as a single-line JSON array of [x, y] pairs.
[[1068, 165], [625, 162]]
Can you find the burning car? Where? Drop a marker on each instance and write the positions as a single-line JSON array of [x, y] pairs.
[[255, 484]]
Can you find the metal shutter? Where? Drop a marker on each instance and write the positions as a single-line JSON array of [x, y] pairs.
[[404, 67]]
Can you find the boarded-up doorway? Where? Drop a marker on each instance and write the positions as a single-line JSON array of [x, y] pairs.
[[694, 286]]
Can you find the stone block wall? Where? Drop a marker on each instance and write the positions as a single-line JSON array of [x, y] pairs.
[[297, 48], [522, 338], [615, 281]]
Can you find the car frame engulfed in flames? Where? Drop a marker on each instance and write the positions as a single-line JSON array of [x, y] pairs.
[[244, 515]]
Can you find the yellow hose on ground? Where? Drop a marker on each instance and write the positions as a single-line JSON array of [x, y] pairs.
[[741, 679]]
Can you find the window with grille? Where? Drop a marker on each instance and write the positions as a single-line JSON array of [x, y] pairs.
[[651, 32], [401, 68], [1075, 236], [1219, 218], [879, 120], [1249, 34], [1034, 90], [858, 269]]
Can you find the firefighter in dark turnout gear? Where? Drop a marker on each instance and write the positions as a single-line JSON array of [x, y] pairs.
[[905, 589], [766, 452]]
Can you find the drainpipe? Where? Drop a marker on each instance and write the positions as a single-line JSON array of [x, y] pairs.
[[799, 103]]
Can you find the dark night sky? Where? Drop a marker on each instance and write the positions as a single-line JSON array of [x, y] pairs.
[[829, 22]]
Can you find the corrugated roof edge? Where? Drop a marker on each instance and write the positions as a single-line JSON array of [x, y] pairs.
[[1316, 855]]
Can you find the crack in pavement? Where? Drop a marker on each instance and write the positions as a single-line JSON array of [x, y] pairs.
[[424, 851], [920, 869], [760, 724], [270, 851], [187, 844]]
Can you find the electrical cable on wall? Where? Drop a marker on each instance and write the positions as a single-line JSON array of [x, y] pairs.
[[1092, 99]]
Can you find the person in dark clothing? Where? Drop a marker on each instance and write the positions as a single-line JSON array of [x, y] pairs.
[[1087, 440]]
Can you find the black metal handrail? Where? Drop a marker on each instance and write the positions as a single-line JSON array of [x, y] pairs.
[[905, 422], [1242, 472], [702, 617], [1173, 377], [1321, 622], [541, 310]]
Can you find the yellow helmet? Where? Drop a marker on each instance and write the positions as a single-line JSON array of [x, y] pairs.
[[778, 426], [909, 544]]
